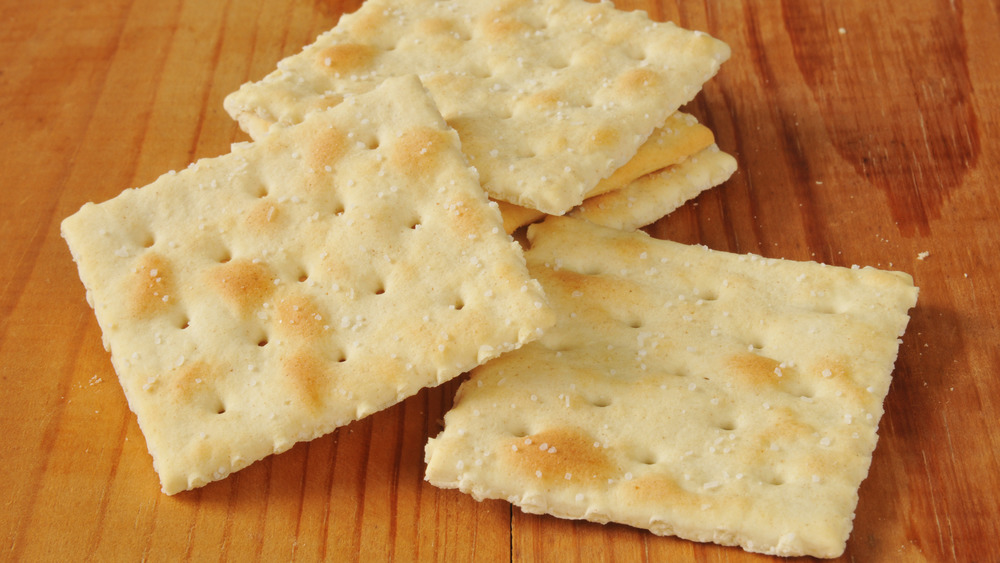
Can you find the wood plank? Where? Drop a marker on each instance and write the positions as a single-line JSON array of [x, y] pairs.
[[866, 133]]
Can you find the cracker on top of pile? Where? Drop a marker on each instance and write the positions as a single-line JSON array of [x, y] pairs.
[[272, 294]]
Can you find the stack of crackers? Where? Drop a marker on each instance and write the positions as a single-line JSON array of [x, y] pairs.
[[359, 250]]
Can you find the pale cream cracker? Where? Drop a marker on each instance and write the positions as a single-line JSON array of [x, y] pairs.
[[275, 293], [548, 97], [717, 397]]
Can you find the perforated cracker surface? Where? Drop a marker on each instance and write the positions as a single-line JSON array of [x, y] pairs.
[[548, 96], [712, 396], [275, 293]]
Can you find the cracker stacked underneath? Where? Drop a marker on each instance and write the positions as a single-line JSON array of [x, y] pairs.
[[712, 396], [548, 97], [301, 282], [675, 164]]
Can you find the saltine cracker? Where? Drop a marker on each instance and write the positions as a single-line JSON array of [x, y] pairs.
[[273, 294], [716, 397]]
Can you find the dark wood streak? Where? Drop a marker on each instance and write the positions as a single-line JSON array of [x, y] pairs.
[[362, 483], [933, 89], [715, 111], [233, 494], [203, 102], [790, 142], [48, 438], [14, 291], [328, 485], [36, 104], [102, 509], [266, 468], [399, 458], [302, 498]]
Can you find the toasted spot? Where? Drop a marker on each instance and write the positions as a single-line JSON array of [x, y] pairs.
[[598, 288], [495, 27], [150, 286], [569, 451], [299, 318], [514, 5], [782, 427], [787, 423], [544, 99], [195, 380], [345, 57], [435, 26], [602, 138], [305, 374], [326, 147], [836, 373], [366, 24], [242, 284], [637, 81], [263, 215], [660, 490], [754, 370], [417, 151]]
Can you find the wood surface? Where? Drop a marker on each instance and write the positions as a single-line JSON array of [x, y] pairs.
[[866, 133]]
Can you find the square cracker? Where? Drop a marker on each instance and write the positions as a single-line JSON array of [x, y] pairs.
[[712, 396], [548, 96], [272, 294]]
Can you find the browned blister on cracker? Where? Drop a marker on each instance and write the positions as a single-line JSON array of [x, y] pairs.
[[275, 293], [717, 397]]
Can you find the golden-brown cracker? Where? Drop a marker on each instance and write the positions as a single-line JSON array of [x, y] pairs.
[[272, 294], [680, 137], [717, 397], [548, 97], [649, 198]]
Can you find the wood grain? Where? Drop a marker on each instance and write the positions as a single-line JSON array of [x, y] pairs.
[[866, 133]]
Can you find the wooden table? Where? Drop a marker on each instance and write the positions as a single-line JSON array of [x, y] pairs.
[[866, 133]]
